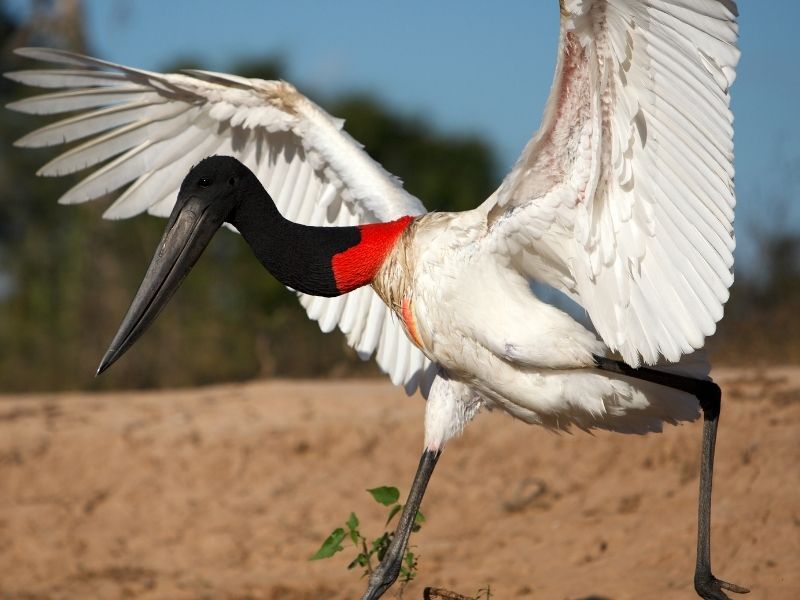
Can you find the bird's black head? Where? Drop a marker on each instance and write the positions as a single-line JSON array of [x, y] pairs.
[[208, 196], [216, 185]]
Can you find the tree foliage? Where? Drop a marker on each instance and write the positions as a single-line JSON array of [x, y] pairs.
[[762, 317]]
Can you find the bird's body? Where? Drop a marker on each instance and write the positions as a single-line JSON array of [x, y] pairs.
[[623, 201], [535, 361]]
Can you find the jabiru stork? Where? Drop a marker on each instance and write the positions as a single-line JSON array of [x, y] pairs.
[[623, 201]]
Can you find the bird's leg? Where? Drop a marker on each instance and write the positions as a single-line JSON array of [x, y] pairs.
[[386, 573], [705, 583], [710, 397]]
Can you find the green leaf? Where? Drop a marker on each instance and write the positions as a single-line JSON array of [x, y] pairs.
[[359, 561], [352, 528], [409, 571], [380, 545], [385, 495], [330, 546], [395, 509], [352, 522], [419, 519]]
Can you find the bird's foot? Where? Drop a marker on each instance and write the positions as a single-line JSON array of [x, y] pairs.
[[710, 588]]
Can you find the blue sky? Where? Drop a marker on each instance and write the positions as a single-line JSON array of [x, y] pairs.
[[464, 66]]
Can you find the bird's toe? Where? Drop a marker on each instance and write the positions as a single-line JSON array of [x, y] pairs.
[[711, 588]]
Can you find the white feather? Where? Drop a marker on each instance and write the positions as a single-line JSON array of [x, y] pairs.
[[649, 193], [150, 128]]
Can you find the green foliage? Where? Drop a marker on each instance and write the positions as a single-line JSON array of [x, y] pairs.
[[367, 550], [761, 324], [331, 545], [385, 495]]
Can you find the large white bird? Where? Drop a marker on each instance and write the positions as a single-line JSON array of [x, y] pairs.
[[623, 200]]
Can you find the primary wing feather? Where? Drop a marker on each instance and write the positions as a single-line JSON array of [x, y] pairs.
[[624, 198], [145, 130]]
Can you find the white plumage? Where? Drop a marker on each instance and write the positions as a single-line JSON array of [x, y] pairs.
[[623, 200]]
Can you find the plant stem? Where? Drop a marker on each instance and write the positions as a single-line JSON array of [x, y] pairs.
[[367, 554]]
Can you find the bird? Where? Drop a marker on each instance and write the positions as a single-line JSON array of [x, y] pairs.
[[623, 201]]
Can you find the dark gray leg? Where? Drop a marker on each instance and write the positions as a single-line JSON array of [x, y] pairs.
[[385, 575], [709, 396], [705, 583]]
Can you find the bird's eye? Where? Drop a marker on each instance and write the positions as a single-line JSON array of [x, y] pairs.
[[204, 182], [231, 181]]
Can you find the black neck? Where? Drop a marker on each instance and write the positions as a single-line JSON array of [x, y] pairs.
[[299, 256]]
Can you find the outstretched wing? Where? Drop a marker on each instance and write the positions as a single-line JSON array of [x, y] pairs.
[[624, 198], [147, 129]]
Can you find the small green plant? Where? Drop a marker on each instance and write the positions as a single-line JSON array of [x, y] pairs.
[[376, 549]]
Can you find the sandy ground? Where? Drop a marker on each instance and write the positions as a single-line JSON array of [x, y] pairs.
[[224, 492]]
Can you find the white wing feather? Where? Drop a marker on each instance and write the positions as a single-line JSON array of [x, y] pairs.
[[150, 128], [624, 198]]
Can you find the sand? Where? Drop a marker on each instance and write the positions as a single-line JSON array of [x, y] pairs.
[[225, 491]]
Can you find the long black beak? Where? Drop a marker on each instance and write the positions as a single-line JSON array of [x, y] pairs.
[[189, 230]]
